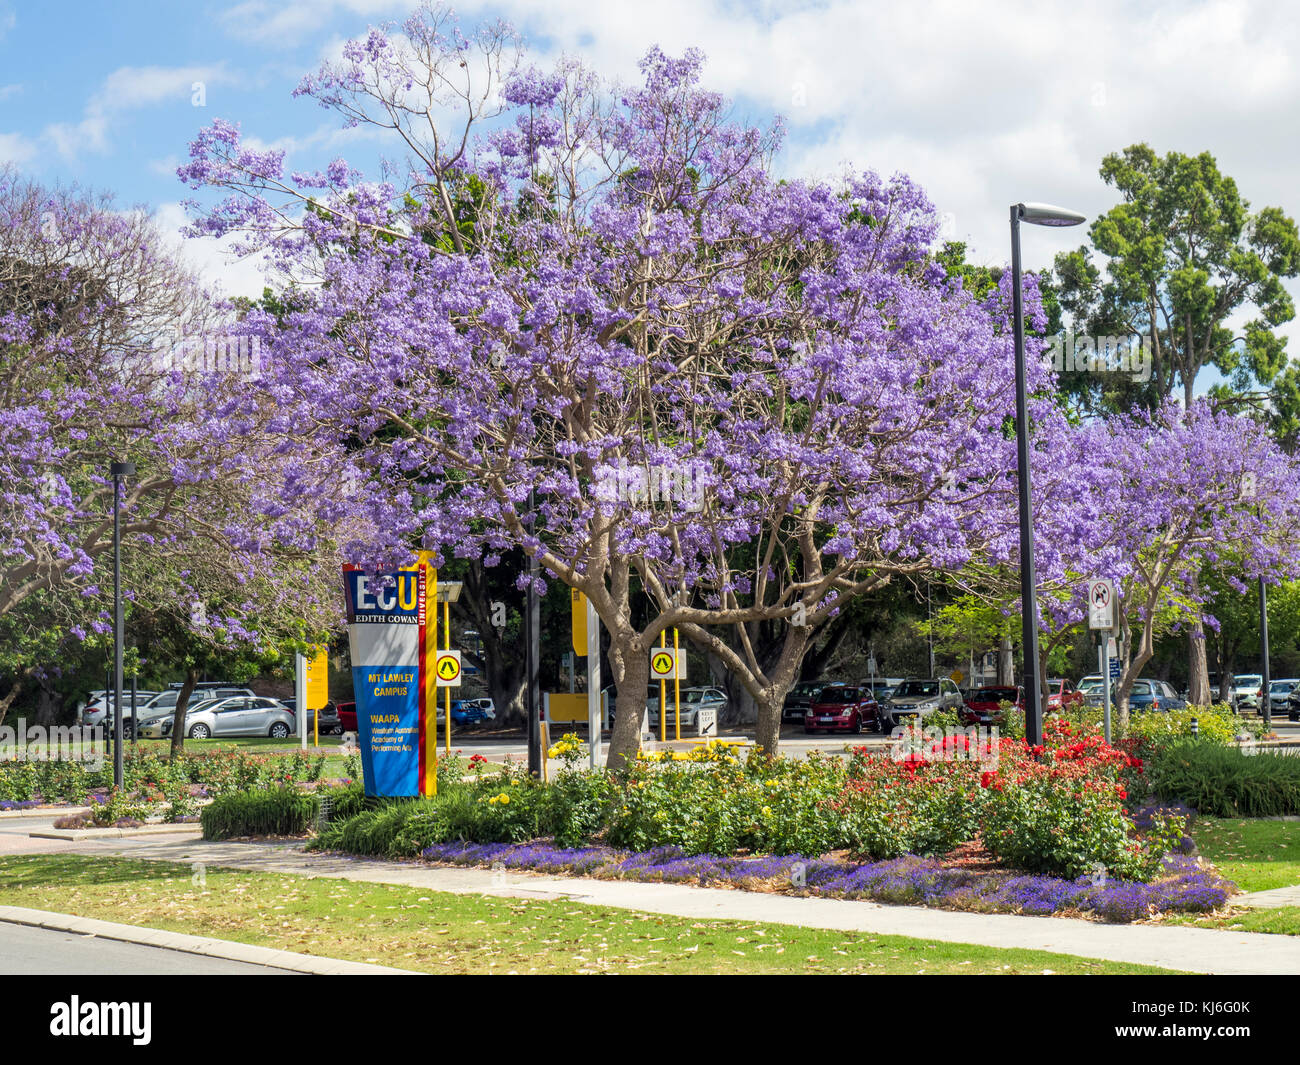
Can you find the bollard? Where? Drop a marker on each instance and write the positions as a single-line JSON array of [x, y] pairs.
[[1196, 727]]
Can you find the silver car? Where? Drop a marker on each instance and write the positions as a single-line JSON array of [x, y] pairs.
[[243, 715], [692, 700], [917, 697]]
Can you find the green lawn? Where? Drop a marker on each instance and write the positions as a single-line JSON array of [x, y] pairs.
[[415, 928], [1282, 921], [1255, 855]]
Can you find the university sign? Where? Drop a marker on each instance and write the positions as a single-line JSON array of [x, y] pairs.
[[393, 678]]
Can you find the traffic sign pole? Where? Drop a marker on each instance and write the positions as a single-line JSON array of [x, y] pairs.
[[593, 684], [1105, 682], [446, 646], [663, 695], [677, 685]]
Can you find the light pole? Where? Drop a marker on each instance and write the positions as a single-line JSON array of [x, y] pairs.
[[532, 657], [118, 470], [1039, 214]]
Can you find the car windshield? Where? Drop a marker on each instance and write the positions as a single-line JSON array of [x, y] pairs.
[[838, 695], [918, 687], [994, 695]]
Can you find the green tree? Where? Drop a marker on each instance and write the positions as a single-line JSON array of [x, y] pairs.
[[1182, 254]]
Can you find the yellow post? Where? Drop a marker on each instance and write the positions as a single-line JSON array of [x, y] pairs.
[[431, 692], [663, 695], [315, 726], [446, 646], [677, 686]]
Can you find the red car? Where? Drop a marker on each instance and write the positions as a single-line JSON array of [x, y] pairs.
[[348, 716], [1062, 695], [842, 708], [984, 705]]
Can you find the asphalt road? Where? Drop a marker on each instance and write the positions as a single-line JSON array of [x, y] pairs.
[[28, 951]]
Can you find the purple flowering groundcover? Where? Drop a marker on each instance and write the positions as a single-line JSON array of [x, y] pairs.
[[1185, 887]]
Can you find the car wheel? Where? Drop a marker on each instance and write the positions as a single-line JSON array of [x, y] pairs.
[[885, 726], [279, 730], [857, 725], [200, 732]]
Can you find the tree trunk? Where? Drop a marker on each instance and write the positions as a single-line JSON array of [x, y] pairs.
[[1198, 668], [629, 663], [9, 699], [1006, 665], [182, 705]]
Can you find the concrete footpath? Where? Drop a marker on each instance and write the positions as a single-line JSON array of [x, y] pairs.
[[1172, 947]]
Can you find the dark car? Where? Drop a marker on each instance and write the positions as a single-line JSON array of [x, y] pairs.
[[799, 698], [1154, 695], [984, 705], [1293, 705], [842, 708]]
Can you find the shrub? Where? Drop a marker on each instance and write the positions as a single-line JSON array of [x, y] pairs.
[[1060, 809], [265, 812], [1227, 782], [1215, 724]]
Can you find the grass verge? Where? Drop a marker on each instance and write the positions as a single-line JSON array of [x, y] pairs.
[[1255, 855], [414, 928]]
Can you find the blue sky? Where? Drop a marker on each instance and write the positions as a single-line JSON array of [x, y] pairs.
[[984, 105]]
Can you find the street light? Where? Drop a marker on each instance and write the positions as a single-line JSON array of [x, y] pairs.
[[1038, 214], [118, 471]]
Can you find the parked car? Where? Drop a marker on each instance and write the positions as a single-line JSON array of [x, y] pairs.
[[1245, 691], [1278, 693], [693, 700], [915, 698], [984, 705], [880, 687], [482, 705], [1062, 695], [240, 716], [1293, 704], [1154, 695], [99, 710], [329, 718], [348, 716], [799, 698], [164, 703], [843, 708]]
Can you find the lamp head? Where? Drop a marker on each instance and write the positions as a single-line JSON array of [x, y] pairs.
[[1044, 214]]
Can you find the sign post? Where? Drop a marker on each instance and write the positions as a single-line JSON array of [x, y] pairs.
[[593, 681], [1101, 616]]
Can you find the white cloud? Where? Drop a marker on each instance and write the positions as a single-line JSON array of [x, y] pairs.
[[211, 258], [16, 149], [128, 89]]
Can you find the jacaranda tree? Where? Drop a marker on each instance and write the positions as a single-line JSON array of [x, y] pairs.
[[593, 325]]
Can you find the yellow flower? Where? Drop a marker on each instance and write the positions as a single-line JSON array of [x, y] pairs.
[[505, 799]]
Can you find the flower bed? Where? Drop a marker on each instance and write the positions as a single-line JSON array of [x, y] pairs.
[[1182, 885]]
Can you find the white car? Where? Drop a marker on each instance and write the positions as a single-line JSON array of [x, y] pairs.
[[241, 716]]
